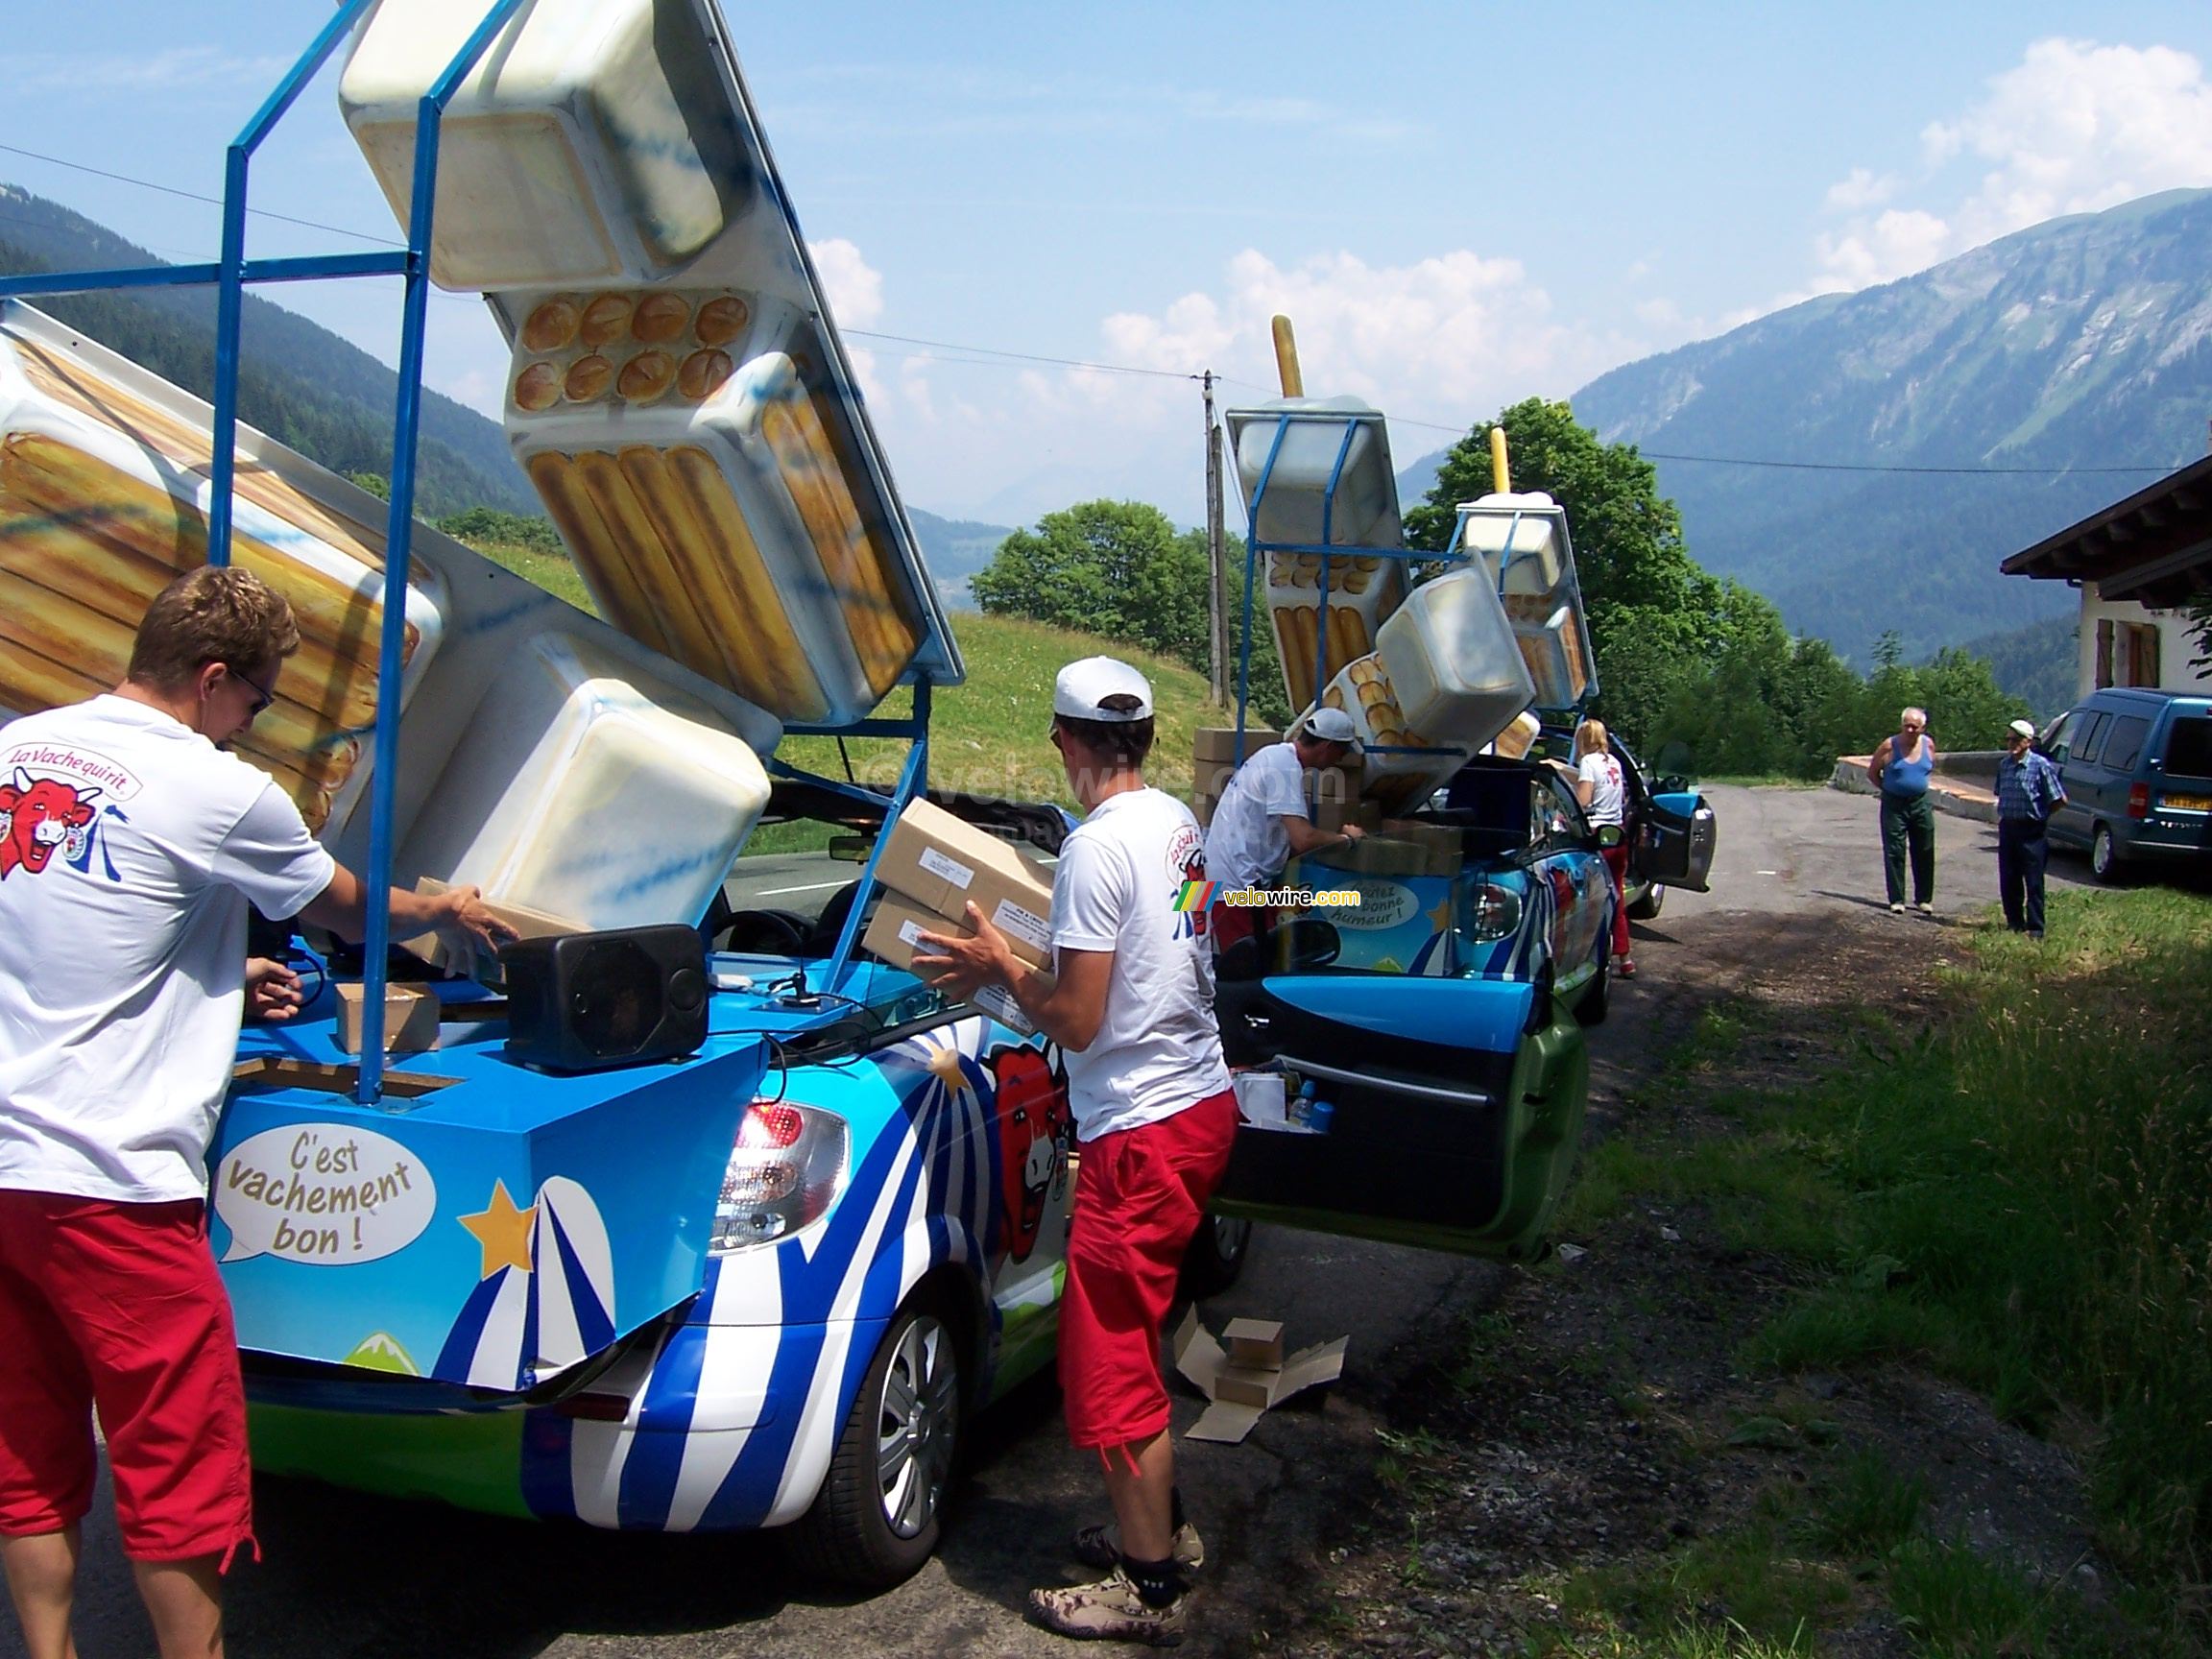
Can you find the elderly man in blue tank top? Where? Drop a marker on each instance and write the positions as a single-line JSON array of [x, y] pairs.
[[1899, 768]]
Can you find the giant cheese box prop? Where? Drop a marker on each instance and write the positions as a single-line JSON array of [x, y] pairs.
[[559, 763], [678, 393]]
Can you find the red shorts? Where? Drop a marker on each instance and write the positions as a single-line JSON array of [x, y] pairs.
[[1140, 1194], [1229, 923], [120, 1305]]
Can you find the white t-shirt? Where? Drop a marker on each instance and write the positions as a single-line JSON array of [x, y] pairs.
[[1608, 790], [1245, 846], [1158, 1050], [129, 846]]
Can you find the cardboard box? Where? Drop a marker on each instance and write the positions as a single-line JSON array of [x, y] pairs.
[[1219, 742], [410, 1019], [1440, 841], [475, 964], [942, 864], [1248, 1379], [893, 934]]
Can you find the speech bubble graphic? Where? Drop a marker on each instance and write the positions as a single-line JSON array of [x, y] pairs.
[[323, 1194]]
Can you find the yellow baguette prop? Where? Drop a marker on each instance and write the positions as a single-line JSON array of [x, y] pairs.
[[675, 604], [597, 555], [188, 446], [883, 633], [700, 485], [707, 537]]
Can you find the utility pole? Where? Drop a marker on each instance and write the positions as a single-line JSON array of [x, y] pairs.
[[1218, 586]]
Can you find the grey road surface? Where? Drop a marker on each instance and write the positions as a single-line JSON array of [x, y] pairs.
[[344, 1574]]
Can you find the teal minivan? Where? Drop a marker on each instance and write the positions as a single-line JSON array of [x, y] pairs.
[[2137, 765]]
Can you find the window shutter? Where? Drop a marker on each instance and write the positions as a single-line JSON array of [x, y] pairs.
[[2104, 652]]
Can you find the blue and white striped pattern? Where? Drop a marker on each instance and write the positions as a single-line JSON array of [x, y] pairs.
[[522, 1325], [735, 1416]]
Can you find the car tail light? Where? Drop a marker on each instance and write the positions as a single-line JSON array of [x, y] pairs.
[[784, 1172], [1491, 911], [2139, 801]]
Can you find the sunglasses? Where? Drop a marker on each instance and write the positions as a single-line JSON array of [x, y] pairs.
[[262, 695]]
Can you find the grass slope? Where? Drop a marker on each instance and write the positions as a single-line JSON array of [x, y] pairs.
[[988, 735]]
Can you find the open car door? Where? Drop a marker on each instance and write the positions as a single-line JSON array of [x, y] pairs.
[[1451, 1123], [1674, 828]]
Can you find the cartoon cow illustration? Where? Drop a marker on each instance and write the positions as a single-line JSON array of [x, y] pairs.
[[37, 816]]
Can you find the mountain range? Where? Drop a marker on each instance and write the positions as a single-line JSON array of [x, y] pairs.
[[2079, 346], [299, 382]]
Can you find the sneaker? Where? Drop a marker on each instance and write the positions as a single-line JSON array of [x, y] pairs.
[[1626, 967], [1110, 1610], [1100, 1546], [1925, 907], [1896, 909]]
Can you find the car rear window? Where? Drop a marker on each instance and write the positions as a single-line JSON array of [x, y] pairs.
[[2124, 747], [2092, 739], [2189, 747]]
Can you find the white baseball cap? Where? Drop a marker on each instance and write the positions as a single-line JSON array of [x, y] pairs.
[[1082, 688], [1331, 726], [2023, 728]]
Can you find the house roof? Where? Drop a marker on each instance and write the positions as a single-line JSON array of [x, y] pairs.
[[2155, 547]]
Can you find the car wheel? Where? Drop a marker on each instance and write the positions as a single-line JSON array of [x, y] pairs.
[[2105, 860], [1647, 909], [1598, 995], [1215, 1259], [877, 1518]]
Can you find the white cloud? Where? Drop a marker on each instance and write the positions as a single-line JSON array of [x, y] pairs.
[[1444, 339], [1862, 189], [2075, 127], [856, 288]]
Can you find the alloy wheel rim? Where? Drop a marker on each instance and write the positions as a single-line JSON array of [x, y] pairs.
[[914, 1426]]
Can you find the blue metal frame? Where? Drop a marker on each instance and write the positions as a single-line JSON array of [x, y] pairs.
[[1328, 547], [229, 275]]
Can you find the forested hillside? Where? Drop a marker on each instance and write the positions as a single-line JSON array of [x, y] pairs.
[[297, 381]]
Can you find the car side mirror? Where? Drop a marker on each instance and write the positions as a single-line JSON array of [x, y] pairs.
[[1673, 783]]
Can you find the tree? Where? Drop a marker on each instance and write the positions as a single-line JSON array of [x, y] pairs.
[[1121, 570], [1113, 568]]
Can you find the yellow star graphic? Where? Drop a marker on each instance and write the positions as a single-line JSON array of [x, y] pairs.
[[945, 1065], [1440, 918], [503, 1231]]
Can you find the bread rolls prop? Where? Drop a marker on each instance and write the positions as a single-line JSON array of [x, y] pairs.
[[678, 393], [102, 505], [1363, 589], [708, 505], [1521, 540]]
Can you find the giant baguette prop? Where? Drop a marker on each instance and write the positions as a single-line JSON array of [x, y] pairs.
[[882, 632], [188, 446], [84, 547]]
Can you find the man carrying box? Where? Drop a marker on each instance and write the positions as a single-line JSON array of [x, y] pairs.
[[1132, 1008], [1262, 819]]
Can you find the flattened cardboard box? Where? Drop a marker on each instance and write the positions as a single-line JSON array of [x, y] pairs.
[[894, 935], [942, 864], [1243, 1381], [410, 1019]]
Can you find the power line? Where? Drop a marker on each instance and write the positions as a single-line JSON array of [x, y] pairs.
[[992, 351], [1858, 467], [992, 356], [194, 196]]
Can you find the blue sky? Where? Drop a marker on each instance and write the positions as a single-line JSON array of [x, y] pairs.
[[1459, 204]]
